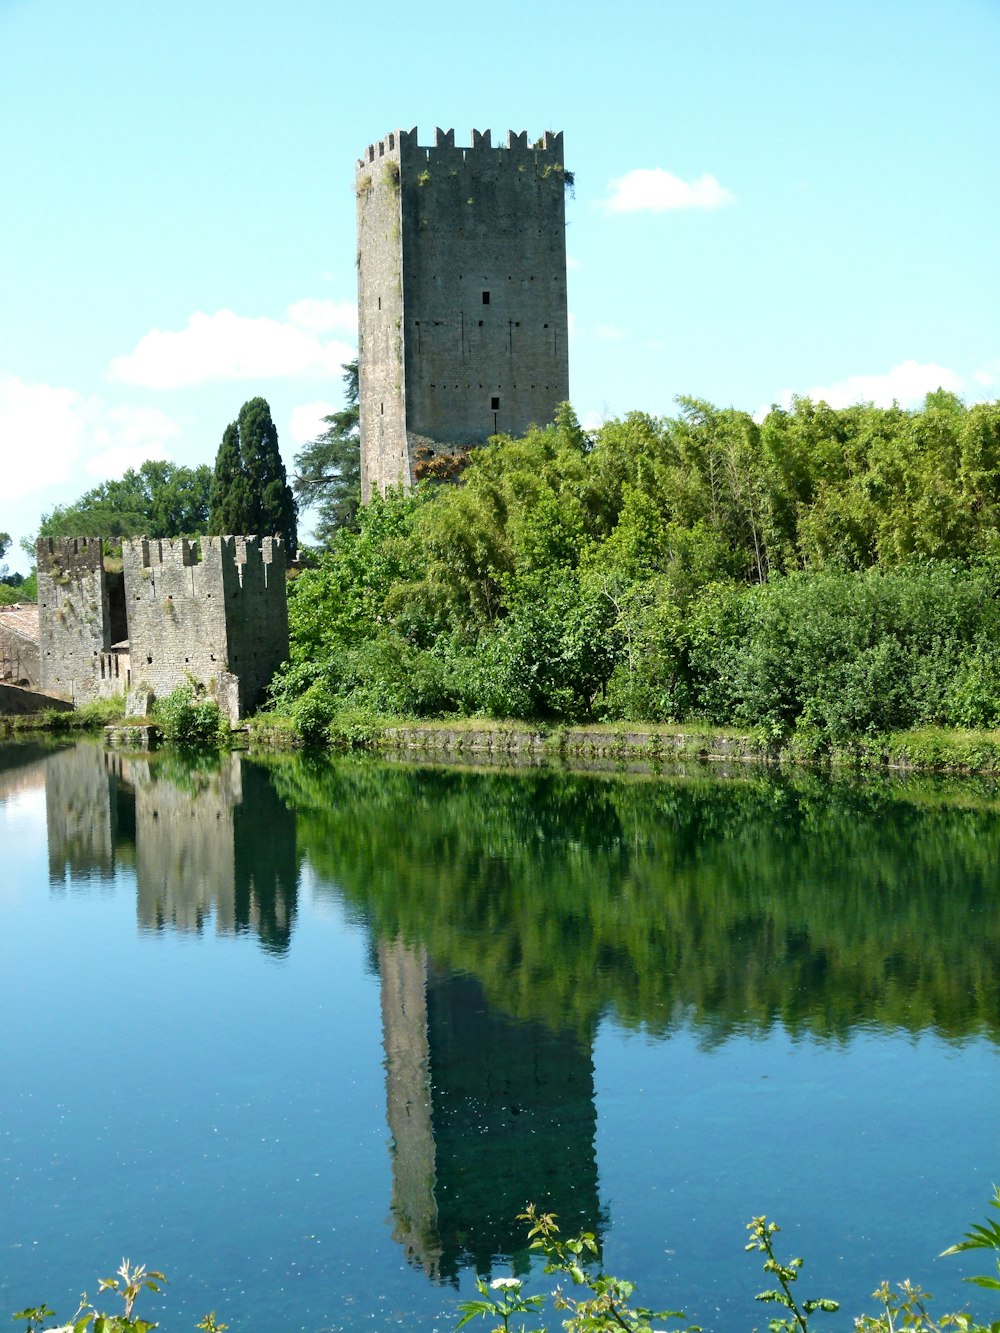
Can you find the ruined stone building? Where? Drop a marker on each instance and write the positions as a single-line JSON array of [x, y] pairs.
[[462, 325], [19, 662], [211, 611]]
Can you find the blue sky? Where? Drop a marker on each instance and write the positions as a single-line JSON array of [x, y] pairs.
[[771, 197]]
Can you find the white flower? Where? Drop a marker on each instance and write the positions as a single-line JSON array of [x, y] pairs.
[[500, 1282]]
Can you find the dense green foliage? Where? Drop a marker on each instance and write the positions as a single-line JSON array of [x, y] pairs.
[[329, 467], [249, 489], [190, 718], [831, 573], [157, 499]]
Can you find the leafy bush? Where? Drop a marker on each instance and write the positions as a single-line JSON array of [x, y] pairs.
[[189, 717]]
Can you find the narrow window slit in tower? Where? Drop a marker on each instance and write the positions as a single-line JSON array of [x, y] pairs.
[[494, 404], [486, 298]]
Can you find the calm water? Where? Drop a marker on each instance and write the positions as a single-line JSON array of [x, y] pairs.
[[308, 1035]]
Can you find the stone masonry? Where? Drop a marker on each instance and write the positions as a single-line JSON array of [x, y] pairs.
[[461, 296], [211, 611]]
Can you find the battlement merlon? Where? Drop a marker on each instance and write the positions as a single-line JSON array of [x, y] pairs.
[[69, 555], [402, 145], [182, 552]]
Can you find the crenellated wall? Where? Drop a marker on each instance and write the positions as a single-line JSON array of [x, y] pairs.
[[211, 611], [461, 295], [176, 611], [256, 613], [72, 615]]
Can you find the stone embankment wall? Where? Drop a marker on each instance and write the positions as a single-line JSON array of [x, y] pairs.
[[501, 743]]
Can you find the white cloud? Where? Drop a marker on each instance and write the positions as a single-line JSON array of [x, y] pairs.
[[572, 262], [306, 421], [609, 332], [48, 433], [227, 346], [906, 384], [41, 433], [653, 190], [988, 374], [324, 316]]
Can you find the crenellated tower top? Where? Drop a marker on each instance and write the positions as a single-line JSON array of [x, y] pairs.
[[402, 144]]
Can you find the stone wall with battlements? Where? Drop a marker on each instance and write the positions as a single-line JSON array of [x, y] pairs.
[[256, 614], [176, 611], [207, 610], [461, 294], [72, 615], [211, 611]]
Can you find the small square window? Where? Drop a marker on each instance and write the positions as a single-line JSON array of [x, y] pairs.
[[494, 404], [486, 298]]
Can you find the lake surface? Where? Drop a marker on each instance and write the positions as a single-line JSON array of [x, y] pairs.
[[307, 1035]]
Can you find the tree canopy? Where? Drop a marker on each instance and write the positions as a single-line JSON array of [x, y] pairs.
[[830, 572], [249, 488], [157, 499], [328, 469]]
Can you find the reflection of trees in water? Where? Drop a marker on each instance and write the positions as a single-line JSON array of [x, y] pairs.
[[486, 1113], [210, 840], [730, 905]]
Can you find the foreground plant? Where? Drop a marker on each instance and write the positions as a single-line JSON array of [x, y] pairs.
[[129, 1282], [797, 1320], [604, 1303]]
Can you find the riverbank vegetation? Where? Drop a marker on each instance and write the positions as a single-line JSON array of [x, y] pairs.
[[817, 578]]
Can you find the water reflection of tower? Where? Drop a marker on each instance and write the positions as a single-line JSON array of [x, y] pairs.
[[83, 814], [219, 844], [206, 843], [486, 1114]]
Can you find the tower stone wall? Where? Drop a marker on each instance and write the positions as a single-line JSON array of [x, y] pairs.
[[461, 295], [73, 623]]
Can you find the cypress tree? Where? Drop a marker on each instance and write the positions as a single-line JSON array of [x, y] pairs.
[[250, 492], [274, 508], [229, 495]]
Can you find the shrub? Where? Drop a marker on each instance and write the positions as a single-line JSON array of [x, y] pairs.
[[189, 717]]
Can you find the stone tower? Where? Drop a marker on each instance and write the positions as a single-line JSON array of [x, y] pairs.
[[461, 296]]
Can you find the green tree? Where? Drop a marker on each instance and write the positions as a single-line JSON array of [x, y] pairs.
[[274, 504], [328, 469], [158, 499], [229, 498], [250, 491]]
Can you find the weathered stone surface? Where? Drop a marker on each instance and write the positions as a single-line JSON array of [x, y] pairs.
[[461, 295], [19, 659], [211, 611], [139, 702]]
